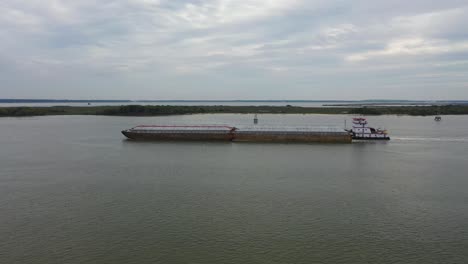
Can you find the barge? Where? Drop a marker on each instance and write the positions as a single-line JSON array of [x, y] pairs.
[[238, 134], [202, 133], [291, 134], [256, 133]]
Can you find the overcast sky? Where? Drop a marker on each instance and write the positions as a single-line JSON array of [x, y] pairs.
[[234, 49]]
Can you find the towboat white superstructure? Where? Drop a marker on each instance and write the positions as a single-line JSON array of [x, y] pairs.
[[361, 131]]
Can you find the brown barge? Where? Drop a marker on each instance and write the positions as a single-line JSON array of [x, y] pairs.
[[241, 134]]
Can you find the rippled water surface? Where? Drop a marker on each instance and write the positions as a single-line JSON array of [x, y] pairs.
[[73, 190]]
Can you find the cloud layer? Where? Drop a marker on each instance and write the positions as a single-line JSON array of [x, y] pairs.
[[226, 49]]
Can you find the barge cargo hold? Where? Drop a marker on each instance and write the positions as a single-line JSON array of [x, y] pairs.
[[291, 134], [202, 133], [242, 134]]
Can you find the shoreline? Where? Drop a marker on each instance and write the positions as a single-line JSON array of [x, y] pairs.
[[167, 110]]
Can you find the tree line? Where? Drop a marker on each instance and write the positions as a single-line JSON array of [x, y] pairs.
[[155, 110]]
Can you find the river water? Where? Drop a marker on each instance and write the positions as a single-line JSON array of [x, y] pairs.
[[74, 190]]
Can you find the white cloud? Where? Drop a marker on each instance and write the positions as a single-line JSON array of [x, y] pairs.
[[432, 23], [412, 47], [339, 31], [210, 13]]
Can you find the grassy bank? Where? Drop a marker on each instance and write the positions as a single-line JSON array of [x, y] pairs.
[[140, 110]]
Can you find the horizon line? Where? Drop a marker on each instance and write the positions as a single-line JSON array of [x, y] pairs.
[[13, 100]]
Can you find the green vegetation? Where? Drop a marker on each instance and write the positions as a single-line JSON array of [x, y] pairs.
[[150, 110], [412, 110]]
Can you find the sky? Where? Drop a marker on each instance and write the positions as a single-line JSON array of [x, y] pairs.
[[234, 49]]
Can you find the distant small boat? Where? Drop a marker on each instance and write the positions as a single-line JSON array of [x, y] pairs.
[[438, 118]]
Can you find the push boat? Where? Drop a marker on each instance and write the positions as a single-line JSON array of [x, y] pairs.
[[361, 131]]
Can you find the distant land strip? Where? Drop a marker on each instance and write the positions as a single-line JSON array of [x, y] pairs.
[[40, 101], [330, 102], [164, 110]]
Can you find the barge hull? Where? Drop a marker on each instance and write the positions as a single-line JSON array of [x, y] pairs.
[[371, 138], [177, 136]]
